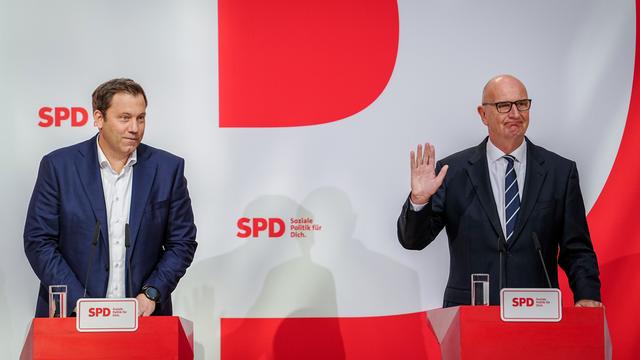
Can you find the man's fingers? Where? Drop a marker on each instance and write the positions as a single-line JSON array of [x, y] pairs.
[[144, 312], [412, 155], [588, 303], [442, 174], [422, 156], [427, 154], [432, 156]]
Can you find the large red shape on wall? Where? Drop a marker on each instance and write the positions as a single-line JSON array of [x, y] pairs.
[[295, 63], [615, 231]]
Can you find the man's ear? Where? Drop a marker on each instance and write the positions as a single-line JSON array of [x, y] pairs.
[[482, 114], [98, 119]]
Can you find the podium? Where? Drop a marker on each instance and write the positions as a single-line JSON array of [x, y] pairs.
[[477, 332], [157, 337]]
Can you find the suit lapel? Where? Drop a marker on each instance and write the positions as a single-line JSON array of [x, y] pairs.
[[534, 179], [144, 172], [89, 173], [478, 172]]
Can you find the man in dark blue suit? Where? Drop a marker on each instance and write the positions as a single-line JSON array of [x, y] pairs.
[[111, 217], [493, 198]]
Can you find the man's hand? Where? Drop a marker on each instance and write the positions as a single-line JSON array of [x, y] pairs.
[[424, 181], [588, 303], [145, 305]]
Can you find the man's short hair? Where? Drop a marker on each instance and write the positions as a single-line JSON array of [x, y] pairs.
[[102, 95]]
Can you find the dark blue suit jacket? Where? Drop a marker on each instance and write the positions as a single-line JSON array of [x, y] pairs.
[[552, 207], [68, 200]]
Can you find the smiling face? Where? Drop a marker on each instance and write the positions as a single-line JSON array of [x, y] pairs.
[[121, 126], [506, 130]]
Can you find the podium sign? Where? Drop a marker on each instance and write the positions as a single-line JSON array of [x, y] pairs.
[[531, 305], [102, 315]]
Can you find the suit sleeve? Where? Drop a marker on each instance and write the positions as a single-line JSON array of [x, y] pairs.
[[180, 243], [41, 235], [417, 229], [577, 257]]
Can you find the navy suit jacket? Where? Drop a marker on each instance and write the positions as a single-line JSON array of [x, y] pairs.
[[464, 205], [68, 200]]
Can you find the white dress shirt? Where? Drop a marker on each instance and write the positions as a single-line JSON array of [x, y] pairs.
[[497, 168], [117, 198]]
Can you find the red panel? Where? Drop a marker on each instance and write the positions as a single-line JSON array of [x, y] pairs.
[[615, 229], [158, 337], [478, 333], [384, 337], [473, 332], [296, 63]]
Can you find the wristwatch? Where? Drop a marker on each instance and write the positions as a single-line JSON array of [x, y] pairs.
[[151, 293]]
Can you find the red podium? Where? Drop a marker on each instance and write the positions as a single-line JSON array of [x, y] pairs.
[[157, 337], [477, 332]]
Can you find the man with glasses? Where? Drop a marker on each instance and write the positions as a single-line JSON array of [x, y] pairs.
[[496, 200]]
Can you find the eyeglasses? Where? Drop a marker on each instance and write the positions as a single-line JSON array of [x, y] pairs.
[[505, 106]]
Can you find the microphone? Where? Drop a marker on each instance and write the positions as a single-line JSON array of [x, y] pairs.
[[538, 247], [127, 245], [94, 245], [502, 250]]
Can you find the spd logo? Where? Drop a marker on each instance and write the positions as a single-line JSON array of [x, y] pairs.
[[274, 227], [58, 116], [522, 302], [99, 311]]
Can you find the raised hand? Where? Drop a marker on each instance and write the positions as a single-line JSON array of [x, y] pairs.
[[424, 181]]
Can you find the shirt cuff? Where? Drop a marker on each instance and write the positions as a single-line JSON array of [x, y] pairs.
[[417, 207]]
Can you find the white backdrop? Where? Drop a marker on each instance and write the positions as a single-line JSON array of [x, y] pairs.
[[351, 176]]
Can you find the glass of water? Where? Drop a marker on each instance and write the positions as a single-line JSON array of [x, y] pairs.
[[479, 289], [58, 301]]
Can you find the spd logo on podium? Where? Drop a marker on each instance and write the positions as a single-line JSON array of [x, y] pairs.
[[106, 315], [531, 305]]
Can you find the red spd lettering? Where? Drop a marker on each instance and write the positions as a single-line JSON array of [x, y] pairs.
[[57, 116], [273, 222], [253, 227], [96, 312], [522, 301]]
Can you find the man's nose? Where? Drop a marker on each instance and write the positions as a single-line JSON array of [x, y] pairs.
[[514, 112], [133, 126]]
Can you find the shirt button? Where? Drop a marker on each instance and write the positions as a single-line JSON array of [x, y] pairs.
[[117, 198], [118, 221]]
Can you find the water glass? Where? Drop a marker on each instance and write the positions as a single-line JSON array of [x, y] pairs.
[[58, 301], [479, 289]]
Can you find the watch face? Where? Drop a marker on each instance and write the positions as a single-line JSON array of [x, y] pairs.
[[152, 293]]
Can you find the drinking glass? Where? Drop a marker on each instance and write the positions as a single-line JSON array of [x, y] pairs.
[[58, 301], [479, 289]]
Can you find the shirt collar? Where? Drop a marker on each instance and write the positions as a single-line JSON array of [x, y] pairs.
[[494, 154], [103, 162]]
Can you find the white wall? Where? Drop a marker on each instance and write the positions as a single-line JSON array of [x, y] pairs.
[[576, 58]]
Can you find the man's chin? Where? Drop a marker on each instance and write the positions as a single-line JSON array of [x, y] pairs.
[[128, 149], [515, 131]]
